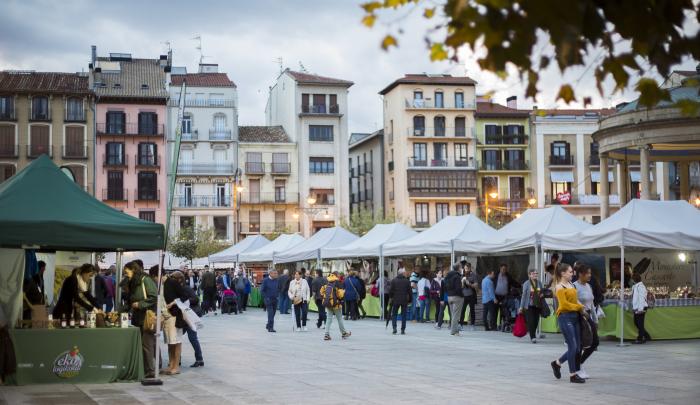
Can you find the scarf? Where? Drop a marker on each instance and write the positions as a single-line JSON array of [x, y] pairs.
[[534, 294]]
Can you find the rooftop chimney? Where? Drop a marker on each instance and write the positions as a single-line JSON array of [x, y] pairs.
[[94, 54], [163, 60], [512, 102], [208, 68]]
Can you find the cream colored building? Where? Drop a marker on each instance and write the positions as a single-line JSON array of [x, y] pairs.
[[429, 147], [269, 200]]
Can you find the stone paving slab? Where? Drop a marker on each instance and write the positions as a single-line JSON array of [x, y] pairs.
[[246, 365]]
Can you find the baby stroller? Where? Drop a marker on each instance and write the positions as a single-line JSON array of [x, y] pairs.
[[229, 303], [510, 311]]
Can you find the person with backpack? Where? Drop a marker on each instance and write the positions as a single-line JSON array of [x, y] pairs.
[[453, 287], [640, 304], [208, 285], [363, 294], [423, 298], [470, 281], [316, 286], [352, 295], [332, 297], [400, 293], [270, 292]]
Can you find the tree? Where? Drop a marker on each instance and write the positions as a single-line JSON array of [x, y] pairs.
[[191, 243], [610, 38], [362, 221]]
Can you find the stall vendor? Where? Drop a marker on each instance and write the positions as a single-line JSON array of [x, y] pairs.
[[74, 293]]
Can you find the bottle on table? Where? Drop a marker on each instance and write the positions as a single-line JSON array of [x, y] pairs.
[[71, 321], [50, 322], [81, 323], [64, 323]]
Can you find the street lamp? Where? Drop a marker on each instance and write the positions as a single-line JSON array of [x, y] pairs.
[[493, 195], [532, 201], [697, 202], [311, 200]]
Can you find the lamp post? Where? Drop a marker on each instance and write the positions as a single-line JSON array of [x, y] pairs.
[[311, 209], [235, 190], [493, 195]]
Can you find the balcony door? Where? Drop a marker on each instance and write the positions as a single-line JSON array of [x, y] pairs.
[[439, 99], [115, 154], [221, 200], [148, 123], [319, 106], [187, 194], [418, 99], [439, 123], [459, 100], [75, 142], [147, 186], [492, 159], [39, 139], [418, 125], [254, 187], [115, 185], [560, 153], [515, 159], [116, 122], [420, 154], [461, 157], [186, 158], [280, 191], [439, 154], [147, 154]]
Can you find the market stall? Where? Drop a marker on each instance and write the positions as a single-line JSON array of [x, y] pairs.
[[266, 252], [230, 254], [643, 226], [70, 220], [311, 248]]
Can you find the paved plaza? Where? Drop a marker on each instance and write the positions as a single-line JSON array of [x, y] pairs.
[[245, 364]]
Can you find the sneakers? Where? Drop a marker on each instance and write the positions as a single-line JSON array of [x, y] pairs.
[[327, 337], [583, 374], [403, 332], [438, 326], [456, 334], [304, 329], [556, 369], [394, 332], [576, 379], [533, 340], [346, 335]]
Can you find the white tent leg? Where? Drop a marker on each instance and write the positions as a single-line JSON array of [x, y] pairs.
[[118, 298], [381, 282], [452, 253], [539, 267], [622, 297]]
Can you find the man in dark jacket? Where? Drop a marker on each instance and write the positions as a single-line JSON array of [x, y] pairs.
[[453, 287], [191, 333], [400, 293], [283, 283], [270, 291], [316, 285], [209, 290]]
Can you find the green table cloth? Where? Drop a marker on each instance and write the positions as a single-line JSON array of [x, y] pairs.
[[77, 355], [661, 323], [254, 298]]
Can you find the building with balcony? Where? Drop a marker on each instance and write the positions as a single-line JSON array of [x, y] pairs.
[[366, 162], [429, 147], [208, 161], [269, 199], [312, 109], [130, 114], [503, 155], [46, 113]]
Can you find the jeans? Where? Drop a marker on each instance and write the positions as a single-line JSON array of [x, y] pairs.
[[239, 300], [351, 309], [435, 303], [570, 327], [471, 302], [489, 314], [321, 312], [394, 314], [194, 341], [148, 343], [109, 304], [209, 303], [424, 309], [337, 314], [284, 303], [533, 319], [589, 350], [414, 306], [440, 308], [300, 311], [456, 303], [245, 301], [271, 307], [642, 333]]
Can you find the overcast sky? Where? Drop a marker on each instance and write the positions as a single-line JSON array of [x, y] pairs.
[[246, 38]]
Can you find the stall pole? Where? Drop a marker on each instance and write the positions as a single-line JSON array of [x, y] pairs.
[[381, 282], [318, 260], [452, 252], [118, 289], [539, 267], [622, 297]]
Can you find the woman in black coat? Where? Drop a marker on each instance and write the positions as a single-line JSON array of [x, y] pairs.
[[173, 289], [75, 292]]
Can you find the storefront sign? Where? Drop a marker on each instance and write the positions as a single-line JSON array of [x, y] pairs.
[[68, 363]]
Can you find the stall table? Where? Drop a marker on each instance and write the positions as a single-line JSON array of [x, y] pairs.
[[254, 298], [669, 319], [73, 356]]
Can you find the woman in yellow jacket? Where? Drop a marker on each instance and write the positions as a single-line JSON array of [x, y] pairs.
[[568, 319], [332, 298]]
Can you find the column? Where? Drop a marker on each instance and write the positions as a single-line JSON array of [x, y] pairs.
[[644, 172], [684, 174], [624, 182], [604, 187]]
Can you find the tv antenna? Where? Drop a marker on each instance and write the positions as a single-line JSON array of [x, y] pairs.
[[167, 46], [198, 38], [279, 61], [302, 67]]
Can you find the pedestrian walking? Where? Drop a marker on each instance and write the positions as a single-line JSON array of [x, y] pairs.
[[531, 303], [362, 291], [435, 297], [502, 287], [283, 285], [470, 282], [387, 300], [208, 285], [270, 292], [586, 296], [453, 288], [142, 297], [414, 296], [568, 313], [488, 301], [299, 292], [640, 306], [318, 282], [352, 295], [191, 333], [332, 298], [423, 297], [173, 289], [400, 293]]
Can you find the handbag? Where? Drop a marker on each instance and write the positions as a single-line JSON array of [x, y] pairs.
[[545, 311], [599, 313], [149, 321], [193, 321], [586, 331], [374, 291], [520, 327]]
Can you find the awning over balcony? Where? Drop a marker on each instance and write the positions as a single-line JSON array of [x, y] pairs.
[[561, 176], [636, 176], [595, 176]]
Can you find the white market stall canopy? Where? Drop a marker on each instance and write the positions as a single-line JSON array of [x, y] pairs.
[[370, 245], [526, 231], [439, 238], [230, 255], [152, 258], [639, 224], [310, 249], [265, 253]]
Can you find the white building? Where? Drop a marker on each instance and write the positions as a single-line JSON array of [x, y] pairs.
[[208, 153], [312, 110], [366, 160]]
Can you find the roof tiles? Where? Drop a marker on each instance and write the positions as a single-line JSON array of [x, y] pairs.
[[430, 79], [136, 78], [263, 134], [308, 78], [203, 80], [43, 82]]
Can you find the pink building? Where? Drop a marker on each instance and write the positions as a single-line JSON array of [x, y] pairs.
[[130, 116]]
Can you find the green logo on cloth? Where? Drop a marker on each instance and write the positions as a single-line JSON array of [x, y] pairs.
[[68, 363]]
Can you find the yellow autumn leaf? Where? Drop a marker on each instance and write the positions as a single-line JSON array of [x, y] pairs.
[[429, 12], [437, 52], [389, 41], [369, 20], [566, 93]]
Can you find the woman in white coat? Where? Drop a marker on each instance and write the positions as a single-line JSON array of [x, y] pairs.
[[299, 293], [639, 306]]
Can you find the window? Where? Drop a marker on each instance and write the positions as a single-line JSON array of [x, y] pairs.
[[459, 100], [461, 157], [280, 224], [595, 156], [321, 165], [39, 140], [74, 109], [280, 162], [40, 108], [7, 107], [6, 171], [8, 147], [186, 222], [594, 187], [420, 154], [115, 186], [221, 197], [78, 174], [439, 154], [324, 196], [441, 211], [187, 124], [321, 133], [216, 99], [75, 142], [149, 216], [418, 99], [489, 184], [492, 159], [254, 221], [305, 102], [493, 134], [334, 108], [319, 106], [116, 122], [280, 191], [439, 99], [148, 154], [148, 123], [115, 154], [186, 198], [219, 122], [254, 163], [221, 227], [517, 188], [462, 209], [439, 123], [460, 126], [147, 186], [515, 159], [418, 125], [254, 193], [560, 187], [560, 154], [422, 218]]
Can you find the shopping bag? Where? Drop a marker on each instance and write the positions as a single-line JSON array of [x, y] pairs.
[[520, 328], [193, 321]]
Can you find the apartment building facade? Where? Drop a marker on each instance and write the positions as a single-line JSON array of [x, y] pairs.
[[268, 199], [503, 149], [46, 113], [429, 146], [312, 109], [208, 159], [366, 176], [130, 115]]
